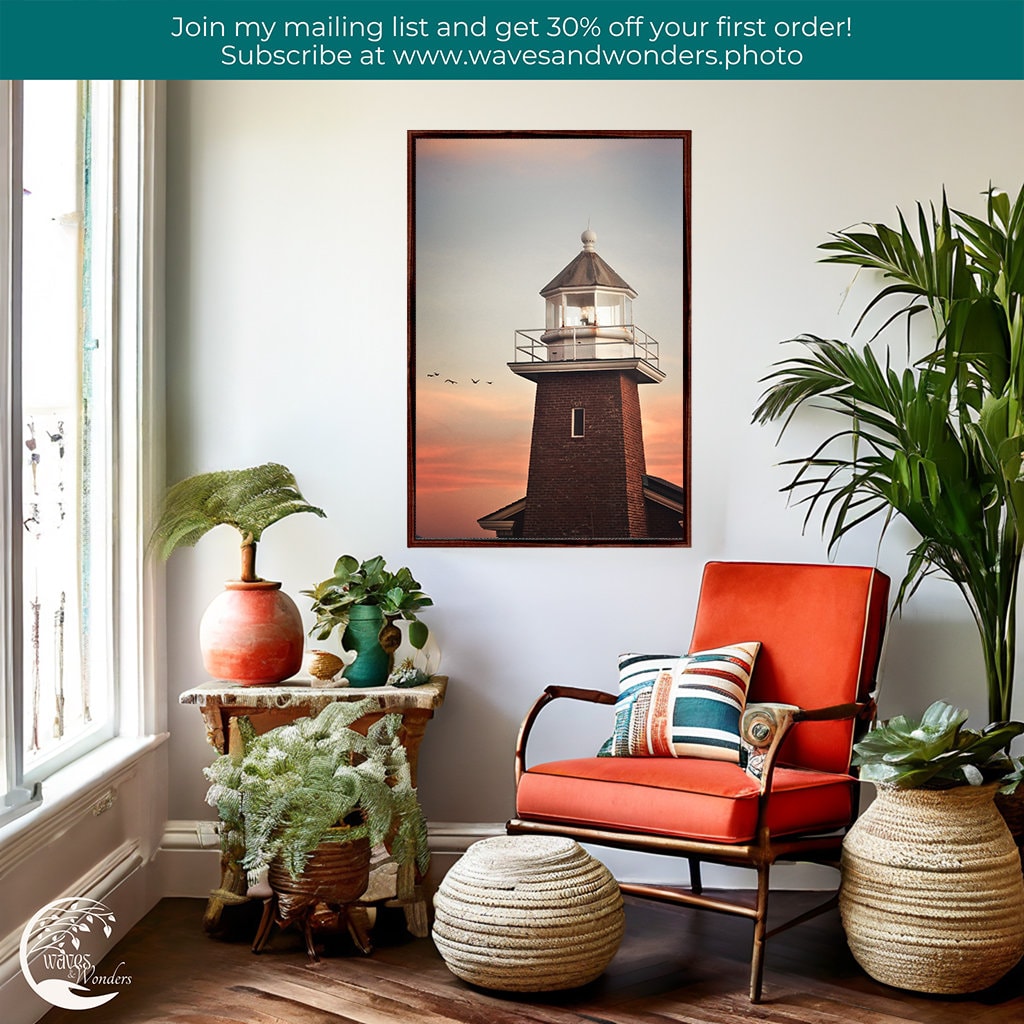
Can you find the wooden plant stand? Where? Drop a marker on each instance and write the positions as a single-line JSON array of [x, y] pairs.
[[266, 707]]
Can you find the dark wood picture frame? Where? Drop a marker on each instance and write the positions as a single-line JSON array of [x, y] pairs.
[[526, 422]]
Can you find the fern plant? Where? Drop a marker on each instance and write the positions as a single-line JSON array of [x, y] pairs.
[[250, 500], [295, 784]]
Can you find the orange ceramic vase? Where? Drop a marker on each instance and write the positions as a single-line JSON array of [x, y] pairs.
[[251, 634]]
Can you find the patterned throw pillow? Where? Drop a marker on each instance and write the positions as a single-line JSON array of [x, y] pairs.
[[688, 706]]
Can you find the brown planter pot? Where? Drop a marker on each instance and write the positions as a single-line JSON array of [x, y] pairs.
[[336, 874], [1011, 807]]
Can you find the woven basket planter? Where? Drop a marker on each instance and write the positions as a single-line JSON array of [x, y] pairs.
[[932, 896], [336, 875], [528, 914]]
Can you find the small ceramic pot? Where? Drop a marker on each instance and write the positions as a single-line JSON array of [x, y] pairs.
[[361, 635]]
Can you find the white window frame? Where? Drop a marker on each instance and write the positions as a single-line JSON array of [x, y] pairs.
[[578, 424], [137, 412]]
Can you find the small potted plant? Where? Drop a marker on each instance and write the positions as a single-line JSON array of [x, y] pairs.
[[362, 600], [306, 803], [931, 860], [252, 632]]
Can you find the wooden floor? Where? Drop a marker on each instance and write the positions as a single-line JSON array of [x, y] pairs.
[[675, 966]]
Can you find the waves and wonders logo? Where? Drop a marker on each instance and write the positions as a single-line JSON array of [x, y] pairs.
[[57, 950]]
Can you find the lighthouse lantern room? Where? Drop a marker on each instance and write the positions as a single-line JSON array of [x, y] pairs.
[[588, 310]]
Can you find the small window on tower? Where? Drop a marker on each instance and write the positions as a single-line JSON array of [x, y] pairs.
[[577, 423]]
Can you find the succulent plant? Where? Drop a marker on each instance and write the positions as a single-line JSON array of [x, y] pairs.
[[935, 751]]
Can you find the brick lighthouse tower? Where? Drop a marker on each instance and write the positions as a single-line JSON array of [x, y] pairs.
[[587, 476]]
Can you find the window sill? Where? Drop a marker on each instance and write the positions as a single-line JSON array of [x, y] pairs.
[[84, 787]]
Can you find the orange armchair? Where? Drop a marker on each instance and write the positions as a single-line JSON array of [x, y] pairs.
[[820, 628]]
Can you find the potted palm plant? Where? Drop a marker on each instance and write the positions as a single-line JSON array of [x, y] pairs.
[[932, 896], [306, 802], [940, 442], [252, 632], [362, 601]]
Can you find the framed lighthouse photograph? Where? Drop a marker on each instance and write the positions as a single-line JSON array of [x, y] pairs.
[[549, 338]]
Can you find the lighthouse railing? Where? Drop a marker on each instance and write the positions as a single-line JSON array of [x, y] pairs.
[[574, 344]]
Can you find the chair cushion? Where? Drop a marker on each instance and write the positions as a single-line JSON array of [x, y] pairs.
[[681, 797], [690, 706]]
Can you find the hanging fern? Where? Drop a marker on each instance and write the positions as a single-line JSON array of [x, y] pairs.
[[297, 782]]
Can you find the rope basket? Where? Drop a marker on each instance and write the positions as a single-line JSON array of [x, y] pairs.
[[932, 897], [336, 873], [528, 914]]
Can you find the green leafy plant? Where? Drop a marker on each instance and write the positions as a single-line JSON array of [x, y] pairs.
[[296, 784], [935, 751], [397, 594], [250, 500], [941, 441]]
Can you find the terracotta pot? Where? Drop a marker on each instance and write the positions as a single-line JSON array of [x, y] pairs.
[[252, 633], [932, 897]]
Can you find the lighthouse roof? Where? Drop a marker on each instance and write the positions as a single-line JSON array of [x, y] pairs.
[[587, 270]]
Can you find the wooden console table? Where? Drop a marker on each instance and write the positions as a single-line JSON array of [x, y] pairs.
[[223, 703]]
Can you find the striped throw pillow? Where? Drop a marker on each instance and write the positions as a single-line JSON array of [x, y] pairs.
[[689, 706]]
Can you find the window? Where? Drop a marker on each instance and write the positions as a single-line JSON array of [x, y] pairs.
[[577, 422], [77, 349]]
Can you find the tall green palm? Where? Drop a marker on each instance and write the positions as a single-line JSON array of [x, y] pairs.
[[940, 442]]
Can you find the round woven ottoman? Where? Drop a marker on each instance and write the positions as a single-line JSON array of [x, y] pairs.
[[528, 914]]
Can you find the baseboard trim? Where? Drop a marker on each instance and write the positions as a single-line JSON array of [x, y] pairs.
[[455, 837], [189, 854], [443, 836], [190, 860]]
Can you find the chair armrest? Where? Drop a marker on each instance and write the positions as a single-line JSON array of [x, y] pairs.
[[552, 693], [763, 727], [837, 712]]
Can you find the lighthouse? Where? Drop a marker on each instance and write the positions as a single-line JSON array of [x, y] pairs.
[[587, 473]]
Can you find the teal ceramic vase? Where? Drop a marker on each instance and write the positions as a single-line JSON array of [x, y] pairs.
[[371, 665]]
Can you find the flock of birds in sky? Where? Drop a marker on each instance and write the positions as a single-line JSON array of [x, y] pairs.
[[448, 380]]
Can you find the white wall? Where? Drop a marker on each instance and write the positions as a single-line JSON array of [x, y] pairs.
[[287, 341]]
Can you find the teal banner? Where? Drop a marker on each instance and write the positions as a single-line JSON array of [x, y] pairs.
[[518, 39]]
